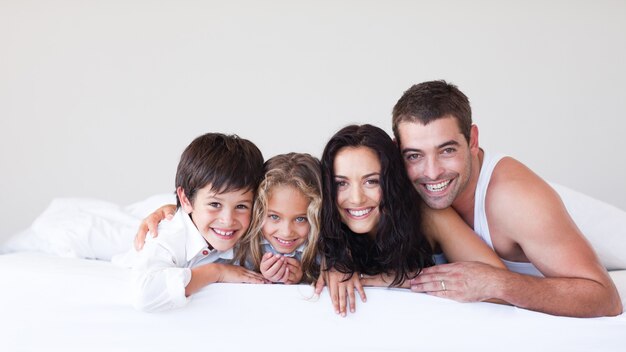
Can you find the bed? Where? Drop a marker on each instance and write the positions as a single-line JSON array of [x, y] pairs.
[[60, 292]]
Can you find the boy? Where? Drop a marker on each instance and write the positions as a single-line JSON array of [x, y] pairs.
[[215, 183]]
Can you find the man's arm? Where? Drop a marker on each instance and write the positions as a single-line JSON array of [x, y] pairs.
[[528, 221], [445, 229], [151, 224]]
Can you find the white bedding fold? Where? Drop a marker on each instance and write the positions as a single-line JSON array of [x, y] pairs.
[[64, 304]]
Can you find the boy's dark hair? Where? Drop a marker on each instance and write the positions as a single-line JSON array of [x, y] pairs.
[[429, 101], [227, 162]]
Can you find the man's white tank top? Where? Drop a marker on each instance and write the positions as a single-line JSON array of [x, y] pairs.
[[480, 215]]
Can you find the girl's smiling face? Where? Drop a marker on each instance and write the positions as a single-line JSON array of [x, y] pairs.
[[286, 225]]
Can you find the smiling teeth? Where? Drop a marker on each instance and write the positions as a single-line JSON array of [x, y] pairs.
[[359, 212], [437, 187], [284, 241], [224, 233]]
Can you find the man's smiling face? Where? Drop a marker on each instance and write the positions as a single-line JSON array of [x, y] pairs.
[[438, 159]]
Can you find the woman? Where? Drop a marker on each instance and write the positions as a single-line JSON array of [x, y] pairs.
[[374, 223]]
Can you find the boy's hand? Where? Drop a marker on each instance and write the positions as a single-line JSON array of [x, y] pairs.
[[151, 223], [218, 272], [238, 274], [341, 290]]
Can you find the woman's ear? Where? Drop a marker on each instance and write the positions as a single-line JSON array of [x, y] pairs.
[[184, 201]]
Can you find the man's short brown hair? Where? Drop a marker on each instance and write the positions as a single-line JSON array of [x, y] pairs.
[[429, 101]]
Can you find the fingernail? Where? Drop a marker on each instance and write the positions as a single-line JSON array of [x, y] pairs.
[[352, 310]]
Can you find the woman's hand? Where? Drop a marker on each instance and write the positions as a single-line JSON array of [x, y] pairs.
[[278, 268], [383, 280], [151, 223], [341, 290]]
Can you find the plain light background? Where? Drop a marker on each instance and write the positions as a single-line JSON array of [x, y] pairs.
[[99, 98]]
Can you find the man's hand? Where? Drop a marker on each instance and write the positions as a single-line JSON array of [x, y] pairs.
[[340, 290], [151, 223], [462, 281], [278, 268]]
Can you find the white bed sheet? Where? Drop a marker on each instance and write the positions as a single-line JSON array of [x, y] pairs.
[[49, 303]]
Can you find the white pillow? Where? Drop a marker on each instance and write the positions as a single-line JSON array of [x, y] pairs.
[[85, 228], [145, 207], [23, 241], [603, 224]]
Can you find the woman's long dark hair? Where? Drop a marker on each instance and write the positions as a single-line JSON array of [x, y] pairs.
[[400, 248]]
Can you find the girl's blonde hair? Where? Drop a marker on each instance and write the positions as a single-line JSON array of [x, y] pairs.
[[298, 170]]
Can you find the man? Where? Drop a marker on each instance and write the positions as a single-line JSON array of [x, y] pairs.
[[553, 269]]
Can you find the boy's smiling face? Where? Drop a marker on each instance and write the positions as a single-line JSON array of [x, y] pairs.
[[220, 218]]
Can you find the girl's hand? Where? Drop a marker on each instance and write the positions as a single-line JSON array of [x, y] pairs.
[[295, 271], [342, 291], [151, 223], [274, 267], [238, 274]]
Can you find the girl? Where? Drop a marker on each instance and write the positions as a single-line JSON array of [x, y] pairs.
[[282, 241], [375, 223]]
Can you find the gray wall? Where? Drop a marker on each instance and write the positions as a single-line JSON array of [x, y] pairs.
[[99, 98]]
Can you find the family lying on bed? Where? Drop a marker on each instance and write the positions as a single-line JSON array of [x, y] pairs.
[[373, 213]]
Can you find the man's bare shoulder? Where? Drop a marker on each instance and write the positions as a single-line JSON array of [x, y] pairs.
[[518, 198], [511, 179]]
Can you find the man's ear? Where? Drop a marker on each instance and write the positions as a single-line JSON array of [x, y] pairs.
[[473, 142], [184, 201]]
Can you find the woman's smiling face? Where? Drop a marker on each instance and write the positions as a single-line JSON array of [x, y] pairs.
[[357, 180]]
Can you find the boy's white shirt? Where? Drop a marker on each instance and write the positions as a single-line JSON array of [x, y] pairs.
[[162, 269]]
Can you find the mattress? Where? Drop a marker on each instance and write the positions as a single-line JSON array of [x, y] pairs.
[[51, 303], [60, 292]]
